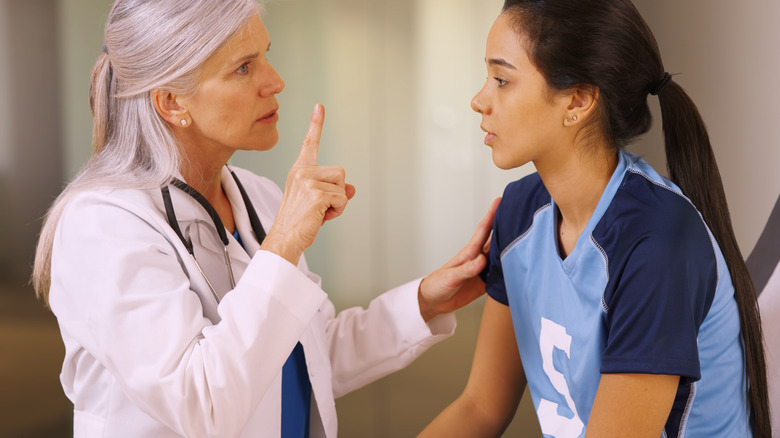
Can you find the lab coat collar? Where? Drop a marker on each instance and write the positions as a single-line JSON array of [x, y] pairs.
[[188, 210], [241, 214]]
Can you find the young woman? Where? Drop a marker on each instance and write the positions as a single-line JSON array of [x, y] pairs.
[[179, 283], [618, 296]]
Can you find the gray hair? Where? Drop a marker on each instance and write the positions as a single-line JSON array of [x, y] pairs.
[[149, 44]]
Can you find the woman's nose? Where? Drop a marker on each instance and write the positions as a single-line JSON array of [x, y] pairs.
[[272, 82], [478, 102]]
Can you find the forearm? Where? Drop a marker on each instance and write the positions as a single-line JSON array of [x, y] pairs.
[[466, 418], [635, 405], [495, 386], [367, 344]]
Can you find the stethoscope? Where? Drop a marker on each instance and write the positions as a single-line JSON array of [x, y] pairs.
[[254, 220]]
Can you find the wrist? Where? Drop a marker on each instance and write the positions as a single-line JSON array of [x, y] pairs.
[[427, 309], [281, 247]]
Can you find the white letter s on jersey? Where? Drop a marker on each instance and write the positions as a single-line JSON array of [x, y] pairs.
[[554, 336]]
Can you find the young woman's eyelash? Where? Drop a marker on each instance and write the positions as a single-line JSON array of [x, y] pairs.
[[500, 81]]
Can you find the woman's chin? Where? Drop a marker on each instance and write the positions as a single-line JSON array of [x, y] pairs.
[[265, 144], [501, 162]]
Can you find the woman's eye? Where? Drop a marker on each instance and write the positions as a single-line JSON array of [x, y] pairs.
[[243, 69], [500, 81]]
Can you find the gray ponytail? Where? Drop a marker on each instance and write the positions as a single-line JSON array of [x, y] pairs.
[[99, 100]]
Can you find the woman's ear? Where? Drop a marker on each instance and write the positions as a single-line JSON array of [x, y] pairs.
[[582, 103], [168, 106]]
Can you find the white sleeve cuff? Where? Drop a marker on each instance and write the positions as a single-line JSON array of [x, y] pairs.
[[412, 327]]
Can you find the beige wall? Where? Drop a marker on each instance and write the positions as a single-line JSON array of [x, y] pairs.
[[6, 153], [80, 42], [30, 147]]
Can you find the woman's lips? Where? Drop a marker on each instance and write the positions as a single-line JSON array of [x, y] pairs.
[[271, 117], [489, 138]]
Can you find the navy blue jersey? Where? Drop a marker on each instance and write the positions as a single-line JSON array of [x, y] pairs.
[[645, 290]]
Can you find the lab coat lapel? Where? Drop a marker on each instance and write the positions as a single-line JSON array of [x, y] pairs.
[[313, 339], [241, 215], [196, 225]]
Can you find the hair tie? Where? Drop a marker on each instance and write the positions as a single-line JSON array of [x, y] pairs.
[[661, 85], [105, 48]]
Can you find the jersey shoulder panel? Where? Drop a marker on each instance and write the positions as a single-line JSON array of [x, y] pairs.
[[658, 217], [662, 278], [514, 217]]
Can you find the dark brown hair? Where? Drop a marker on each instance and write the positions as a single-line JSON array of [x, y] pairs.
[[607, 44]]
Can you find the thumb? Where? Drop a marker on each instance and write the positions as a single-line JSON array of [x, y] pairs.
[[311, 143]]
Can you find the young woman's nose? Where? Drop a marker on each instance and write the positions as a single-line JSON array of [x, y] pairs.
[[478, 103]]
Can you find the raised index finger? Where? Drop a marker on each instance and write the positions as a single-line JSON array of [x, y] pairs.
[[311, 143]]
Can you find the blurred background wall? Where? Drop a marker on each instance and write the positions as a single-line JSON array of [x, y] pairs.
[[396, 79]]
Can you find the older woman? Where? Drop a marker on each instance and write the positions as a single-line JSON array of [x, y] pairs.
[[179, 283]]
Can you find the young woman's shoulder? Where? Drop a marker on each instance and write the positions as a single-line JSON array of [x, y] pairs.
[[521, 202], [647, 204], [650, 218], [524, 197]]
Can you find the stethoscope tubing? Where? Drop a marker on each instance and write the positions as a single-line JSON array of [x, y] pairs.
[[170, 213]]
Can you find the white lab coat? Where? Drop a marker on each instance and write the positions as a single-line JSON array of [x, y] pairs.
[[150, 353]]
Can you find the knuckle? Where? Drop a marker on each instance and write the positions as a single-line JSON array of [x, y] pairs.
[[295, 176]]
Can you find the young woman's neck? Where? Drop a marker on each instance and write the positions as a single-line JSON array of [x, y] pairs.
[[577, 181]]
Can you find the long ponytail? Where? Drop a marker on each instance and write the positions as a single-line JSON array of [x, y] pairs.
[[691, 165], [100, 97], [100, 93]]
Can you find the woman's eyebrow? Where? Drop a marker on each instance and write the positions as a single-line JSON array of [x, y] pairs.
[[245, 58], [501, 63], [250, 56]]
